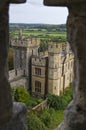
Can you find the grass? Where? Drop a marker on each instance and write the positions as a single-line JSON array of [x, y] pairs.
[[58, 117]]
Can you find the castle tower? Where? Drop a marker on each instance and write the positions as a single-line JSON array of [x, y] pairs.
[[54, 68], [24, 48]]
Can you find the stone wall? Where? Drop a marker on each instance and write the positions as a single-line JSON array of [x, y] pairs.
[[22, 81], [15, 74], [12, 115]]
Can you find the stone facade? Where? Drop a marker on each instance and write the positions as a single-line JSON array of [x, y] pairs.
[[39, 74], [49, 72]]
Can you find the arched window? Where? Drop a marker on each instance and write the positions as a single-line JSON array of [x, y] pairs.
[[37, 86]]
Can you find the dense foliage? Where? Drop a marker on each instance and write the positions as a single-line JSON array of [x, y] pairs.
[[20, 94], [60, 102], [34, 123], [46, 119]]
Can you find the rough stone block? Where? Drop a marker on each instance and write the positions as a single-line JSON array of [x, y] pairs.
[[17, 1], [18, 121], [62, 2]]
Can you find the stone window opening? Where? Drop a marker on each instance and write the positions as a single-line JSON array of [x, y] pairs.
[[32, 52], [37, 71], [75, 114], [16, 72], [38, 87], [55, 88]]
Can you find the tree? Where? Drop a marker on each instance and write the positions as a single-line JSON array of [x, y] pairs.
[[22, 95]]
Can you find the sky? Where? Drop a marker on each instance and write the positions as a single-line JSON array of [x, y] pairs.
[[33, 11]]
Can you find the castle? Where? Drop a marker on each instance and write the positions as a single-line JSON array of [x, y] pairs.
[[41, 72]]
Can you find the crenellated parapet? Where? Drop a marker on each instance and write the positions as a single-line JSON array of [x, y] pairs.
[[54, 47], [39, 61], [44, 53], [26, 42]]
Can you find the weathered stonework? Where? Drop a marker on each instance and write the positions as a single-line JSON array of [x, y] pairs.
[[62, 2], [17, 121], [75, 114], [5, 95], [10, 117]]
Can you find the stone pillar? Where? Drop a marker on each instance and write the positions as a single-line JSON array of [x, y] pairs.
[[75, 114], [5, 93], [11, 115]]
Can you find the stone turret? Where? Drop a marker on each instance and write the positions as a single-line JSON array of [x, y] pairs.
[[54, 67], [24, 48], [54, 47]]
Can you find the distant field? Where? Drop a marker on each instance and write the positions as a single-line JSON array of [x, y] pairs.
[[40, 31]]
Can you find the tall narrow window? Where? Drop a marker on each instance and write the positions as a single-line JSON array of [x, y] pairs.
[[37, 86], [37, 71], [32, 52]]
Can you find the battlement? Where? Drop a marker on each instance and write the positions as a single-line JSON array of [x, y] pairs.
[[40, 61], [13, 75], [44, 53], [54, 47], [26, 42]]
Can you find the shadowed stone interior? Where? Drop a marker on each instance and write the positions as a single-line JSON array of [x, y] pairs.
[[75, 114], [12, 116]]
